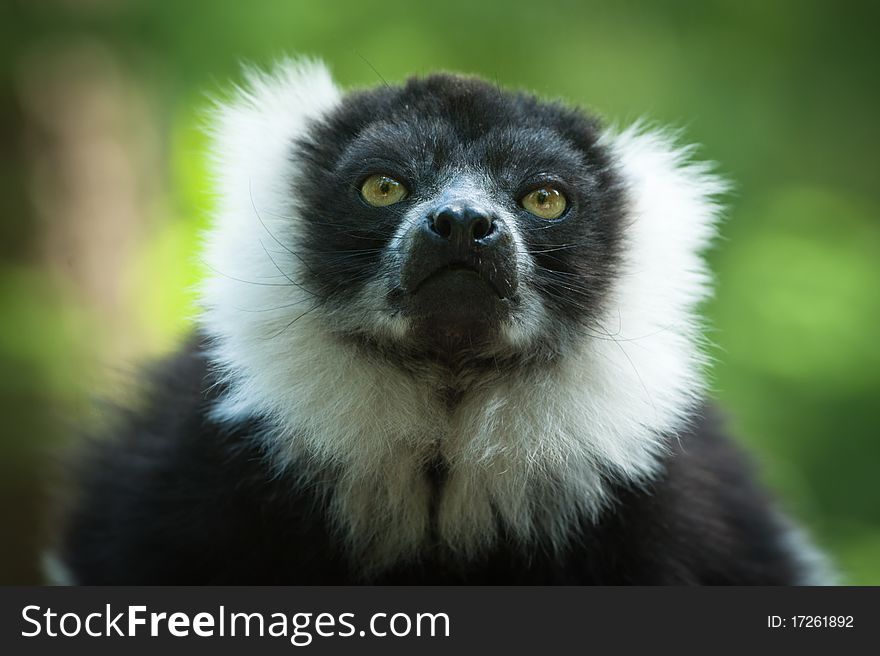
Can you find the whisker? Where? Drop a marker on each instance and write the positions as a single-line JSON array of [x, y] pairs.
[[270, 309], [247, 282], [297, 318], [269, 232]]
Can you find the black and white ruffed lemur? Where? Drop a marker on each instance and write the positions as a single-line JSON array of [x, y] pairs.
[[449, 336]]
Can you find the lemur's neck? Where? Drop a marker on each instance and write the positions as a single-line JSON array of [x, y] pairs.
[[528, 453]]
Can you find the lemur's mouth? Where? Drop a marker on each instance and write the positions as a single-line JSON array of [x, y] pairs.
[[457, 303], [457, 274]]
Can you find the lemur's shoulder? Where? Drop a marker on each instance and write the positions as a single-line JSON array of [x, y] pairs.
[[705, 519], [171, 496]]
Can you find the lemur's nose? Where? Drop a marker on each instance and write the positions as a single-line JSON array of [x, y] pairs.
[[460, 249], [462, 225]]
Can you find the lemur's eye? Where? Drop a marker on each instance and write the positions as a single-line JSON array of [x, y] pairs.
[[546, 202], [380, 190]]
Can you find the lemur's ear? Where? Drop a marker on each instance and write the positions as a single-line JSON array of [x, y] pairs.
[[252, 133], [673, 212]]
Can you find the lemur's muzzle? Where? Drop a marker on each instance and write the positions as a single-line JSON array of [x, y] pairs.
[[459, 264]]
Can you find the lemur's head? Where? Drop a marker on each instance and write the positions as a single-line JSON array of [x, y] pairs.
[[448, 270], [452, 220]]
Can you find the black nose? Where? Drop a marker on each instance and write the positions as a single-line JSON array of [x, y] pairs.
[[451, 243], [461, 224]]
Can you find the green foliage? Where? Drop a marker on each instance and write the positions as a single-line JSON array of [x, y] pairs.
[[783, 95]]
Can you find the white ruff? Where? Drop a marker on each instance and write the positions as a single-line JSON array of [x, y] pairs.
[[536, 449]]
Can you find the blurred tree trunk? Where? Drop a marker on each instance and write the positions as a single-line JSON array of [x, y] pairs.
[[81, 164]]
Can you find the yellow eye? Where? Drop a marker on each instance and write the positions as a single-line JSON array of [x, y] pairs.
[[546, 202], [380, 190]]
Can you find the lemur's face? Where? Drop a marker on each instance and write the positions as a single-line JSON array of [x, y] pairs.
[[451, 219]]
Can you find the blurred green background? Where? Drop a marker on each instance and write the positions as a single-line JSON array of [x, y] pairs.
[[104, 191]]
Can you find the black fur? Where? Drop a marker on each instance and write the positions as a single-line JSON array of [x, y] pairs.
[[182, 501]]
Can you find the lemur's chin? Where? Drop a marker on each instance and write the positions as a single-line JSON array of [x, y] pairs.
[[457, 308]]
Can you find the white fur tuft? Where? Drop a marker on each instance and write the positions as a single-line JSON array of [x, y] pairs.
[[814, 568], [538, 449], [55, 572]]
